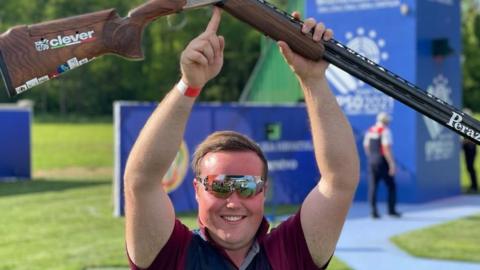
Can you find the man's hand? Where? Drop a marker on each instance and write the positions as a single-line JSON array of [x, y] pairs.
[[387, 152], [307, 69], [391, 169], [202, 59]]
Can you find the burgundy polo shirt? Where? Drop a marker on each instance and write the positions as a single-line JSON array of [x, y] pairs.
[[283, 248]]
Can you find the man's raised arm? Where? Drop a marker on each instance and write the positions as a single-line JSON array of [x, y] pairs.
[[325, 208], [149, 212]]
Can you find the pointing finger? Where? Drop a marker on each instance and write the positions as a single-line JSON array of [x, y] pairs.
[[215, 20]]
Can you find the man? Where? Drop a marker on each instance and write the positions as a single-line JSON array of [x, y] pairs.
[[377, 144], [230, 180]]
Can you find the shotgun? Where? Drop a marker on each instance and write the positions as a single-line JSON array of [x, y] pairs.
[[30, 55]]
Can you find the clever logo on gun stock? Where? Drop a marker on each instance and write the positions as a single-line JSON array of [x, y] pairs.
[[64, 41], [456, 123]]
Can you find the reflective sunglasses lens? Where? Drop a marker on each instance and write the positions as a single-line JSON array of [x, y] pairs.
[[222, 186], [221, 189], [246, 189]]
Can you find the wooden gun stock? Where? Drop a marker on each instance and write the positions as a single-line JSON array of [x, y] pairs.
[[31, 55]]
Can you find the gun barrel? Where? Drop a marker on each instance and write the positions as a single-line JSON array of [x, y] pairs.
[[279, 25]]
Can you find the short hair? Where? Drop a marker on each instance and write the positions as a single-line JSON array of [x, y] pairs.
[[468, 111], [383, 117], [227, 141]]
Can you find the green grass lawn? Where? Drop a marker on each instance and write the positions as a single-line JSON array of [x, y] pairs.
[[61, 145], [59, 224], [464, 177], [63, 219], [456, 240]]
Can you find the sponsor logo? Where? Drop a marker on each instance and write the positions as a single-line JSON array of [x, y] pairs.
[[43, 79], [354, 96], [456, 123], [177, 171], [71, 64], [286, 146], [441, 144], [64, 41], [21, 89], [32, 83], [83, 61], [440, 89], [63, 68], [282, 165], [42, 45]]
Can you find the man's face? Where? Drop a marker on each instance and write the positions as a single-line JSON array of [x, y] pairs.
[[232, 222]]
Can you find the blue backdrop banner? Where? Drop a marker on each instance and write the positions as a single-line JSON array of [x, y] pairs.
[[281, 131], [420, 41], [15, 154]]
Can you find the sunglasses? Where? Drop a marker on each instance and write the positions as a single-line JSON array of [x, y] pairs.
[[222, 186]]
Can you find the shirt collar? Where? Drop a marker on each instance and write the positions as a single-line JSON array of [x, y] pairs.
[[254, 249]]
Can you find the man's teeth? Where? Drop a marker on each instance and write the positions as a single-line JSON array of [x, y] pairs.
[[232, 218]]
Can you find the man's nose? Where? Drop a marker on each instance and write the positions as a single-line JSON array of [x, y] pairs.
[[234, 200]]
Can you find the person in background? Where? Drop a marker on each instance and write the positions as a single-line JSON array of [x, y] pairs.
[[377, 144], [470, 152], [231, 178]]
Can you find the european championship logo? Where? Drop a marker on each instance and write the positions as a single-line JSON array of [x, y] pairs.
[[353, 95], [177, 171]]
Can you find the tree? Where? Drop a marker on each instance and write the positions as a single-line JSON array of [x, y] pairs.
[[471, 57], [92, 88]]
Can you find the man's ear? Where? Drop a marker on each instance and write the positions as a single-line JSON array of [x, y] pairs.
[[195, 187]]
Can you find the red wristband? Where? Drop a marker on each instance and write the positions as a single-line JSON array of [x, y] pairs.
[[188, 91]]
